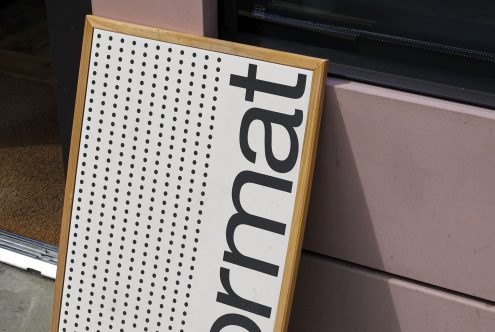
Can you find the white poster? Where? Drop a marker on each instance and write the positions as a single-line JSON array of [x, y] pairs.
[[185, 189]]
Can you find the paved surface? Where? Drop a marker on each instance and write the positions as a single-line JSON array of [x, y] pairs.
[[25, 301]]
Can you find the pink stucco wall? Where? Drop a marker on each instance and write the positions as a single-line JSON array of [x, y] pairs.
[[190, 16], [333, 296], [406, 184]]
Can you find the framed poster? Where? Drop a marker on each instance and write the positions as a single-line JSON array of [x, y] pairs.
[[188, 183]]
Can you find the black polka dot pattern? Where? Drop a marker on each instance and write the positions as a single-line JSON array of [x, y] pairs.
[[141, 185]]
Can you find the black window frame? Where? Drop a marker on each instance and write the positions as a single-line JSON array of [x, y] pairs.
[[229, 30]]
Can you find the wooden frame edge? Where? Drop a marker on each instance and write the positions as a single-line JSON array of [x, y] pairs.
[[303, 193], [308, 155], [71, 172], [211, 44]]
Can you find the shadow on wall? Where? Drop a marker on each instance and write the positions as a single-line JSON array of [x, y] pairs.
[[331, 301]]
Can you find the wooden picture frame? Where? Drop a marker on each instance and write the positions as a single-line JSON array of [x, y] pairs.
[[318, 68]]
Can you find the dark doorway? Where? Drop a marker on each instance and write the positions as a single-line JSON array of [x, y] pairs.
[[31, 167]]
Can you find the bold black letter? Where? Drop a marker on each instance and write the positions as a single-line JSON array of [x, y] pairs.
[[252, 84], [244, 218], [268, 118], [236, 320], [234, 300]]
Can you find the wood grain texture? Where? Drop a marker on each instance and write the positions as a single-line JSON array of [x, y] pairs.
[[71, 172], [318, 66]]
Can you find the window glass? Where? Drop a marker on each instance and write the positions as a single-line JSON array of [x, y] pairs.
[[441, 48]]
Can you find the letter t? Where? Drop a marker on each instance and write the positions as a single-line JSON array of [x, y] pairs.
[[252, 84]]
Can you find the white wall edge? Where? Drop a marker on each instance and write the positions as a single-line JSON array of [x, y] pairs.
[[24, 262]]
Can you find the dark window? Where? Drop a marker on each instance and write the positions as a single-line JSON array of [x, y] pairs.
[[439, 48]]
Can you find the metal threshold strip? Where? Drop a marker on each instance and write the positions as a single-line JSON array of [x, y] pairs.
[[28, 254]]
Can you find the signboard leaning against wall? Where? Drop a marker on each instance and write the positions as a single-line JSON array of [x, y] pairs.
[[188, 183]]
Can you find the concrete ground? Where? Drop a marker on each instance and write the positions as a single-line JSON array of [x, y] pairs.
[[25, 301]]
